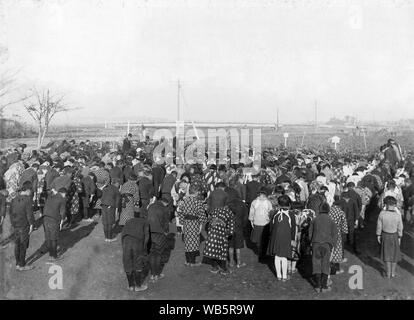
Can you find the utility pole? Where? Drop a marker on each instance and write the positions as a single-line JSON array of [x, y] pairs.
[[277, 119], [316, 114], [178, 101]]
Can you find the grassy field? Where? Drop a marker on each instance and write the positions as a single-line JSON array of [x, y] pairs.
[[306, 137]]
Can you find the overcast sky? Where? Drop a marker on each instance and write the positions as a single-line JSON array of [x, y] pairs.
[[237, 60]]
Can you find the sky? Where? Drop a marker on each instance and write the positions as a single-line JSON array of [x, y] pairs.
[[237, 61]]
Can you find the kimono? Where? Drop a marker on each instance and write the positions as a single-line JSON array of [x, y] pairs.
[[41, 193], [72, 203], [192, 214], [178, 192], [221, 226], [102, 180], [130, 196], [211, 179], [12, 179], [338, 216], [282, 232]]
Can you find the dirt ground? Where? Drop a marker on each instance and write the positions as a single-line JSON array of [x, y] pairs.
[[92, 269]]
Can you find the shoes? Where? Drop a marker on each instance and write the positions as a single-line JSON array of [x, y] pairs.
[[112, 240], [279, 279], [89, 220], [327, 289], [197, 264], [224, 272], [131, 288], [344, 260], [215, 271], [160, 276], [106, 240], [241, 265], [340, 271], [55, 259], [141, 288], [187, 264], [25, 268], [317, 290], [153, 278], [231, 264]]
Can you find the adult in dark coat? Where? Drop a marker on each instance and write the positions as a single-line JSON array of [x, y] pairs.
[[158, 174], [127, 144], [350, 207]]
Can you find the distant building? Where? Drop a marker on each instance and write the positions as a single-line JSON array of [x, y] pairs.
[[11, 129]]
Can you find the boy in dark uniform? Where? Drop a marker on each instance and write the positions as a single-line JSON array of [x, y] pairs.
[[54, 216], [22, 220], [158, 218], [110, 203], [135, 236]]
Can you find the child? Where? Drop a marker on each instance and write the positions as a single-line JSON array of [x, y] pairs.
[[323, 233], [135, 236], [389, 233], [22, 220], [282, 237]]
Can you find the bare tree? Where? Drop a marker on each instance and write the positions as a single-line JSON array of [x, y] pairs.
[[42, 108]]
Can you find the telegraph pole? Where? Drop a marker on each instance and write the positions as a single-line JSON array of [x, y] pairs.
[[277, 119], [178, 101]]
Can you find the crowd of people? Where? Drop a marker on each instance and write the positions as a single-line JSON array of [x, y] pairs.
[[295, 205]]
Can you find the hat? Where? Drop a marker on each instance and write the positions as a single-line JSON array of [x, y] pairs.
[[324, 208]]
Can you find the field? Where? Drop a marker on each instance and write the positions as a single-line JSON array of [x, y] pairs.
[[299, 136]]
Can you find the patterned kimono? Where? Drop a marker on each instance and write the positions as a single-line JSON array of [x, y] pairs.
[[192, 214], [77, 188], [211, 178], [338, 216], [221, 226], [102, 179], [130, 194], [198, 181], [12, 178], [41, 186]]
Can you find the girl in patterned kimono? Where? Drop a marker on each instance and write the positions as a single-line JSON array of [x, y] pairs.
[[130, 198], [338, 216], [192, 214], [221, 226], [12, 178]]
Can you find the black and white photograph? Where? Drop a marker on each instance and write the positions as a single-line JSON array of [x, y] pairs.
[[216, 151]]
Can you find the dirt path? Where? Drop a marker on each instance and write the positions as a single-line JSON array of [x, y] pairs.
[[92, 269]]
